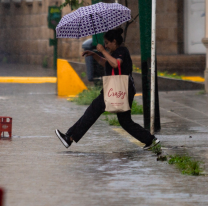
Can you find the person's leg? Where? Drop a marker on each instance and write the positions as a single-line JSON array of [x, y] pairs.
[[134, 129], [92, 113], [131, 127]]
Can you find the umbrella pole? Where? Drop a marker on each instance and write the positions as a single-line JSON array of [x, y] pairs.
[[94, 28]]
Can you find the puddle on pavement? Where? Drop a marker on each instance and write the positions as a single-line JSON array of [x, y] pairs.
[[181, 129], [84, 154], [199, 129], [111, 163], [23, 137], [131, 154], [3, 98]]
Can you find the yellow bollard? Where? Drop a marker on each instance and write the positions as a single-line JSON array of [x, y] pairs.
[[68, 81]]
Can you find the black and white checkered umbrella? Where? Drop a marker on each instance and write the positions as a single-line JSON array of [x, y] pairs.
[[93, 19]]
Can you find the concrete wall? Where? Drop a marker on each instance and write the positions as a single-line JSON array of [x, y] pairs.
[[169, 26], [24, 34]]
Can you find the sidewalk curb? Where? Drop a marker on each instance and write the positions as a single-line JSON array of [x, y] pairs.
[[169, 84]]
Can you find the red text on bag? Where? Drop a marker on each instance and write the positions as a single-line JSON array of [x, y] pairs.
[[119, 94]]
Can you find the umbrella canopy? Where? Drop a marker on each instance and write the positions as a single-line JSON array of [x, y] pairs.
[[93, 19]]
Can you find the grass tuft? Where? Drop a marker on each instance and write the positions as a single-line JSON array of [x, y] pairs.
[[186, 164], [113, 121], [201, 92], [156, 149], [87, 96], [162, 158]]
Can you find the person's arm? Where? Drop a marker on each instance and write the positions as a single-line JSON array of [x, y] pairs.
[[111, 60], [100, 60]]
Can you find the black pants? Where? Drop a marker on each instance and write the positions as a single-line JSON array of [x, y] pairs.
[[94, 111]]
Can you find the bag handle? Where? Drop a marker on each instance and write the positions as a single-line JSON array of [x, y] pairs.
[[119, 68]]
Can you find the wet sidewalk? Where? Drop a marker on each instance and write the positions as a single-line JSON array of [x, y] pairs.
[[107, 167]]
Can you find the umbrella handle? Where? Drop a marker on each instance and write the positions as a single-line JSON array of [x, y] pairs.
[[94, 28]]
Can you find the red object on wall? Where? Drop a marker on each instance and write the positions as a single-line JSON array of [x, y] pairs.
[[6, 126], [1, 196]]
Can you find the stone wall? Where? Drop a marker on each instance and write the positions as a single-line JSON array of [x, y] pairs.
[[169, 26], [24, 34]]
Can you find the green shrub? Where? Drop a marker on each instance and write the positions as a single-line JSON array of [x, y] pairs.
[[87, 96]]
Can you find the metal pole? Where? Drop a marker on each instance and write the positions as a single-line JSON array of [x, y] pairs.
[[152, 112], [55, 51], [145, 9]]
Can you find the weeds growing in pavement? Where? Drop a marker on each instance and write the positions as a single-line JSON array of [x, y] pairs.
[[202, 92], [156, 149], [162, 158], [113, 121], [186, 164], [87, 96]]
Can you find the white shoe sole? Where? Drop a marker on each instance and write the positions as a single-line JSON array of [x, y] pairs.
[[152, 145], [61, 139]]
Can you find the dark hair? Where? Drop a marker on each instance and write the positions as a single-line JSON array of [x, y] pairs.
[[114, 34]]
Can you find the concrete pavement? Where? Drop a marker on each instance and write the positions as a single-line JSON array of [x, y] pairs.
[[107, 167]]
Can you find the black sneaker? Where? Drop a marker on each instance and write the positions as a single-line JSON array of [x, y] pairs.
[[63, 138], [155, 141]]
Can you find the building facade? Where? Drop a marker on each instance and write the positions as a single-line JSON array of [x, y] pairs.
[[24, 34]]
